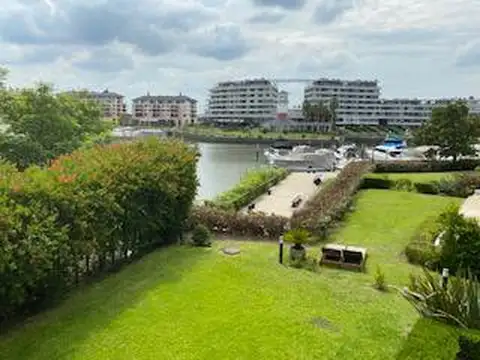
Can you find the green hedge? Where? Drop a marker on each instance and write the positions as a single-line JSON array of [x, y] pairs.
[[330, 204], [88, 213], [425, 166], [230, 222], [253, 184], [460, 185]]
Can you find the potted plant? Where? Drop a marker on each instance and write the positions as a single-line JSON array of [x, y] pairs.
[[299, 237]]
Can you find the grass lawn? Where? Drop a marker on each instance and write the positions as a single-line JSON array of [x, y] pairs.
[[191, 303], [416, 177]]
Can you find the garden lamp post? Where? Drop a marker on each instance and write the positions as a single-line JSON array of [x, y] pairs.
[[445, 273], [280, 249]]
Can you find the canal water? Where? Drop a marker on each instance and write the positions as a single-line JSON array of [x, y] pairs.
[[221, 166]]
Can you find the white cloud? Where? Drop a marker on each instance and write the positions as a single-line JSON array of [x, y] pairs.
[[414, 47]]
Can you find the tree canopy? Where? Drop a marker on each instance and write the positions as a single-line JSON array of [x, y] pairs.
[[452, 129], [321, 112], [39, 124]]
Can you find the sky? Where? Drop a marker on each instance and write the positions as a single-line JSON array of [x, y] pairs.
[[415, 48]]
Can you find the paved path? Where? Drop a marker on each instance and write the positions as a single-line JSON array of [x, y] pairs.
[[280, 201], [471, 207]]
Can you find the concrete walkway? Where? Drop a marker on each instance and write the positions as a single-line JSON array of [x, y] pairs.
[[471, 207], [280, 200]]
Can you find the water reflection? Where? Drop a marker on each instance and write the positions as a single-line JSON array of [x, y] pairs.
[[222, 165]]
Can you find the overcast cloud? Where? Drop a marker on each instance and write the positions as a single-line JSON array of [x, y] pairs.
[[415, 48]]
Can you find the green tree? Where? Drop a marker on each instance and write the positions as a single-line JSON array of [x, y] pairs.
[[452, 129], [333, 106], [41, 125], [3, 77]]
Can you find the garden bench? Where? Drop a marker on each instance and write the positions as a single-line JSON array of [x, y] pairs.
[[347, 257], [317, 180], [296, 200]]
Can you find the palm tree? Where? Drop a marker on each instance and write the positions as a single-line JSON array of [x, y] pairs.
[[333, 106]]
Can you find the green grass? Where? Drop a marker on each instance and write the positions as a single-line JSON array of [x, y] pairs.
[[194, 303], [416, 177]]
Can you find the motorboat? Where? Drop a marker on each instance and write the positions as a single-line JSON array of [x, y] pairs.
[[347, 151], [132, 132], [392, 146], [304, 158]]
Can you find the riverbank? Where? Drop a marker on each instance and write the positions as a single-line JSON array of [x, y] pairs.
[[263, 140]]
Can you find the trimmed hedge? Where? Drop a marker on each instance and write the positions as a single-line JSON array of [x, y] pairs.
[[230, 222], [332, 201], [88, 213], [425, 166], [461, 185], [255, 183]]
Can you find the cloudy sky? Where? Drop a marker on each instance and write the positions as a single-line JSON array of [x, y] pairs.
[[415, 48]]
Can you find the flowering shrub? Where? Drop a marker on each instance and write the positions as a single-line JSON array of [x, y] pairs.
[[89, 212]]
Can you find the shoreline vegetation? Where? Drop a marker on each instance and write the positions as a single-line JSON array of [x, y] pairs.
[[367, 135]]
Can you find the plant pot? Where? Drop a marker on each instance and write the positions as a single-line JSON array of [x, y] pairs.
[[298, 252]]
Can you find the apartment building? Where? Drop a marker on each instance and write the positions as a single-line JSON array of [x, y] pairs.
[[177, 110], [246, 101], [111, 103], [357, 99], [359, 103]]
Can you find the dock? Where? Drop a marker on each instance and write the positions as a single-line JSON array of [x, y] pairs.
[[279, 202]]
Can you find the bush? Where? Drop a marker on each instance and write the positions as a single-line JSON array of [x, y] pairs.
[[88, 213], [460, 242], [254, 184], [380, 281], [220, 221], [430, 188], [332, 201], [458, 303], [468, 349], [201, 236], [404, 185], [425, 166], [377, 183], [297, 236], [421, 249]]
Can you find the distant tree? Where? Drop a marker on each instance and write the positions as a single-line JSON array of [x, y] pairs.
[[41, 125], [452, 129], [333, 106], [3, 77]]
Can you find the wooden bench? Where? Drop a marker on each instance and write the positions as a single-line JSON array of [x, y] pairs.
[[297, 200], [347, 257]]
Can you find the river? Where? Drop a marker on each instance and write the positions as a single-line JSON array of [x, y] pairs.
[[222, 165]]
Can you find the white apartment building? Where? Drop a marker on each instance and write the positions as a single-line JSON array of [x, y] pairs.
[[177, 110], [359, 103], [112, 104], [246, 101], [357, 99]]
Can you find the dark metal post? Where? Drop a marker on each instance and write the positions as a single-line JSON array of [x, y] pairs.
[[445, 273], [280, 250]]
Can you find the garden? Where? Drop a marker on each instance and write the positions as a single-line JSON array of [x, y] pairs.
[[187, 302], [73, 220]]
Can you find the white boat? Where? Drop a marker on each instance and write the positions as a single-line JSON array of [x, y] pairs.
[[303, 158], [132, 132]]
